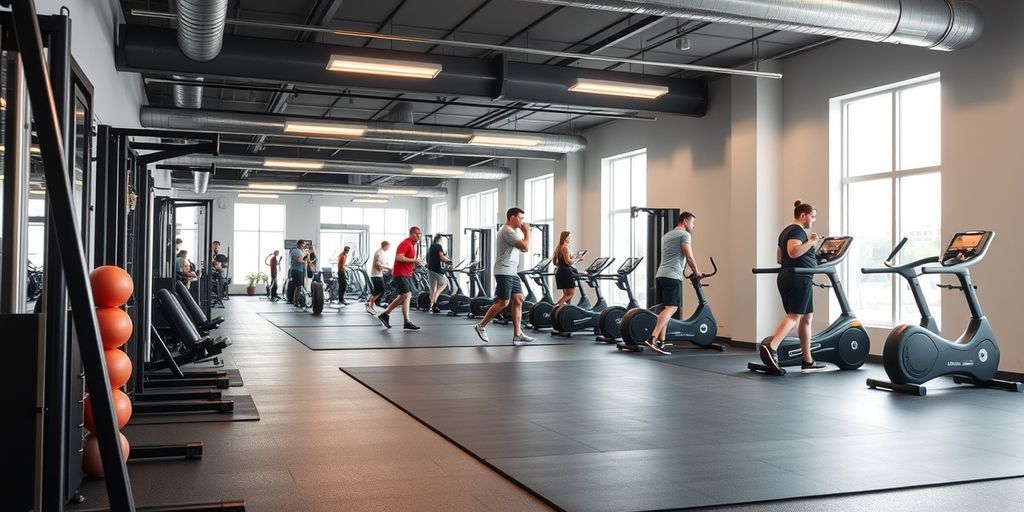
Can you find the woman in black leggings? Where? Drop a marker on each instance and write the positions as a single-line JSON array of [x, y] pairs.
[[565, 279], [797, 249]]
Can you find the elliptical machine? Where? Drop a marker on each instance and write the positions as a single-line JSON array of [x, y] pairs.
[[845, 342], [609, 322], [700, 328], [458, 302], [914, 355], [563, 322]]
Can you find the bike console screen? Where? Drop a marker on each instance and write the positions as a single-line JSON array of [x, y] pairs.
[[833, 248], [965, 246]]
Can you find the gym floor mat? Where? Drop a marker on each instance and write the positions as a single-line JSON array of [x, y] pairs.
[[244, 410], [627, 434], [355, 316]]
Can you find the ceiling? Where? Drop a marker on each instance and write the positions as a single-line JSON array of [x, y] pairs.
[[503, 22]]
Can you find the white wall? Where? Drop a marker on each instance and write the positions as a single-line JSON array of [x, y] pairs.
[[117, 96], [688, 168], [982, 134]]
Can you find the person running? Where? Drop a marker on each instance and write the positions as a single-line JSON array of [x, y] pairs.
[[797, 249], [377, 268], [296, 270], [401, 276], [438, 282], [343, 275], [565, 275], [507, 284], [676, 255], [272, 261]]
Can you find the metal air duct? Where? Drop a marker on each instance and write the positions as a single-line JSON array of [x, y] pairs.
[[936, 24], [326, 188], [277, 164], [200, 36], [200, 181], [377, 131]]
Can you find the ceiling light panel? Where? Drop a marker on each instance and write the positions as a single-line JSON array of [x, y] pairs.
[[386, 67], [610, 88]]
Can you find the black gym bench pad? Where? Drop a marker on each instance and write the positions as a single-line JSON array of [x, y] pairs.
[[696, 429]]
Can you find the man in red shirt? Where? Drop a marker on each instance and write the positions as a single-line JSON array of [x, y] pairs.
[[401, 278]]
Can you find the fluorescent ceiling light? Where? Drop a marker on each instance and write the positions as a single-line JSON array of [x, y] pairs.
[[336, 129], [273, 186], [370, 200], [610, 88], [387, 67], [292, 164], [439, 171], [393, 191], [37, 192], [34, 150], [257, 196], [515, 141]]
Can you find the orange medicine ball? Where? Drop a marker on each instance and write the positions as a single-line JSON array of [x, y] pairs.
[[115, 326], [111, 286]]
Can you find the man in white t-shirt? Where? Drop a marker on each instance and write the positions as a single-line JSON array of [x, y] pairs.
[[513, 238], [378, 265]]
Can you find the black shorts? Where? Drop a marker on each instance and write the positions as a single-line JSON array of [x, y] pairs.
[[565, 277], [403, 284], [378, 285], [669, 291], [507, 286], [796, 292]]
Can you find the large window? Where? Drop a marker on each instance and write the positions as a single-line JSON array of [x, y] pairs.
[[539, 204], [439, 218], [259, 231], [187, 229], [478, 210], [891, 188], [623, 185], [391, 224]]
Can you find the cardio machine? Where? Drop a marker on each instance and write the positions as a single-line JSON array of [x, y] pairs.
[[609, 322], [914, 354], [699, 329], [844, 342], [540, 314], [583, 315]]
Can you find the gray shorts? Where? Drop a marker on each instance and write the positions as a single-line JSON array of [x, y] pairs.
[[437, 278]]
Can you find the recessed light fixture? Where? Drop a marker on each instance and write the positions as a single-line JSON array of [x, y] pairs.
[[394, 191], [514, 141], [387, 67], [370, 200], [610, 88], [273, 186], [292, 164], [438, 171], [335, 129], [257, 196]]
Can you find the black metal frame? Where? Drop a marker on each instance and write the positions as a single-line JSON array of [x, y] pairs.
[[480, 240]]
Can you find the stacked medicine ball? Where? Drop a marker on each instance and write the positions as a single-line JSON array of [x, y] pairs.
[[111, 288]]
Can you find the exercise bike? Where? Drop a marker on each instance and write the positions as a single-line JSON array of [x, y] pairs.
[[540, 314], [609, 322], [844, 342], [914, 355], [700, 328], [583, 314]]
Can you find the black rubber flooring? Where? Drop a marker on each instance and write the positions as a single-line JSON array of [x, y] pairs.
[[353, 329], [698, 430]]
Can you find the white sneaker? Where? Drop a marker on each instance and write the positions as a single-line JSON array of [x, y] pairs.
[[522, 338], [482, 333]]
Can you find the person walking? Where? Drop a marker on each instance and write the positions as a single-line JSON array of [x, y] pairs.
[[438, 282], [378, 266], [513, 236], [343, 274], [401, 276]]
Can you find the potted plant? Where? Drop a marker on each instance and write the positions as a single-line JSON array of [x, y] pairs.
[[254, 278]]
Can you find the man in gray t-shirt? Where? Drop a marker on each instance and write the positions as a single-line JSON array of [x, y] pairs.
[[676, 254], [513, 238]]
